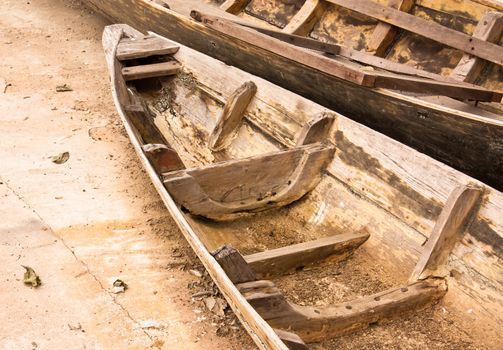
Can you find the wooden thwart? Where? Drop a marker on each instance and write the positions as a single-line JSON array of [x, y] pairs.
[[151, 70], [459, 208], [146, 46], [314, 324], [231, 116], [384, 33], [489, 28], [304, 20], [344, 70], [277, 261], [230, 189], [429, 29]]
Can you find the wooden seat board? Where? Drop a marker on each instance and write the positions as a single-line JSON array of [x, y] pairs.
[[151, 70], [145, 47]]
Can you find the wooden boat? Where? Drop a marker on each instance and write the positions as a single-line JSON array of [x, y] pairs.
[[246, 167], [466, 137]]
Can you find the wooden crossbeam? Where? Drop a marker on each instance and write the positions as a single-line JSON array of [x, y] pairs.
[[277, 261], [459, 208], [234, 6], [305, 19], [151, 70], [343, 70], [384, 33], [429, 29], [146, 46], [314, 324], [230, 189], [231, 116], [489, 28]]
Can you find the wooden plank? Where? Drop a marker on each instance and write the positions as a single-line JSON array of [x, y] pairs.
[[291, 340], [355, 55], [231, 189], [151, 70], [304, 20], [234, 6], [384, 34], [277, 261], [261, 333], [234, 265], [314, 324], [489, 28], [229, 120], [344, 70], [429, 29], [146, 46], [459, 209]]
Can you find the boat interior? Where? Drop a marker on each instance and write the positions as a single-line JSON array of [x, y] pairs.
[[324, 226], [337, 23]]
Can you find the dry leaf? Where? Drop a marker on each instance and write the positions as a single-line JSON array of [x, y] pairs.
[[61, 158], [63, 88], [119, 286], [30, 277]]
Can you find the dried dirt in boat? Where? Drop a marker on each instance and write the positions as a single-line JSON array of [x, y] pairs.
[[336, 282]]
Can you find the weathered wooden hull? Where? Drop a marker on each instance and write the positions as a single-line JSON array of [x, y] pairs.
[[467, 141], [373, 186]]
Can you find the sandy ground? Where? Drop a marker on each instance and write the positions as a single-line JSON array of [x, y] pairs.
[[83, 224]]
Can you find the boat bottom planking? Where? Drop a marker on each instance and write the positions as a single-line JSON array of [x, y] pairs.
[[323, 184]]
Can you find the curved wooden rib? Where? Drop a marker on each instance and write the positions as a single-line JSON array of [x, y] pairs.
[[227, 190], [234, 6], [317, 129], [229, 120], [314, 324], [230, 189], [305, 18]]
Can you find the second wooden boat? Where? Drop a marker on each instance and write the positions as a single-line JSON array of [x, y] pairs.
[[467, 137], [267, 186]]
